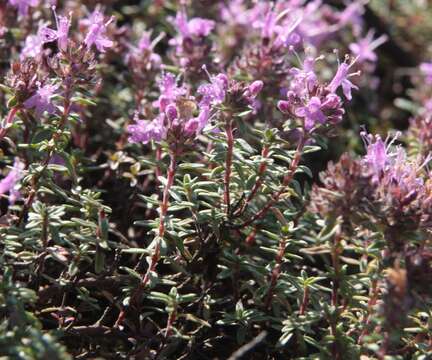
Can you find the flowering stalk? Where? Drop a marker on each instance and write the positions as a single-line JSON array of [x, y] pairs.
[[286, 181], [66, 109], [228, 163]]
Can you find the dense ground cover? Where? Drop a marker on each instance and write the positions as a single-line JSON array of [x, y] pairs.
[[215, 179]]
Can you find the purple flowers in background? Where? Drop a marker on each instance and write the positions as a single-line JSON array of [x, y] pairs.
[[364, 49], [32, 46], [197, 27], [41, 101], [23, 5], [8, 184], [426, 69], [97, 31]]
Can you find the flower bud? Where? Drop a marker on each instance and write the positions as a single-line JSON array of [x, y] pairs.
[[255, 88], [283, 106], [171, 112]]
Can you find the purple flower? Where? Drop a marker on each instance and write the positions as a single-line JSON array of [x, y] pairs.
[[215, 92], [352, 14], [41, 100], [426, 68], [364, 48], [144, 54], [8, 183], [278, 28], [376, 153], [33, 46], [341, 78], [254, 89], [23, 5], [304, 79], [195, 125], [379, 154], [200, 27], [175, 119], [169, 91], [144, 131], [97, 31], [309, 100], [197, 27], [311, 113], [61, 34]]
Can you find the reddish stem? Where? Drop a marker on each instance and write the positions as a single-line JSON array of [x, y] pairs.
[[261, 170], [161, 232], [336, 267], [275, 272], [171, 318], [158, 160], [9, 120], [305, 301], [228, 163], [371, 303]]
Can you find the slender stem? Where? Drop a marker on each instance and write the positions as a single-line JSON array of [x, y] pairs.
[[261, 170], [336, 266], [305, 301], [161, 232], [171, 318], [286, 181], [228, 163], [66, 109], [275, 272], [158, 160], [371, 303], [9, 120]]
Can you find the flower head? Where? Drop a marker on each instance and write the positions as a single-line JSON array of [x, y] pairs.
[[176, 120]]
